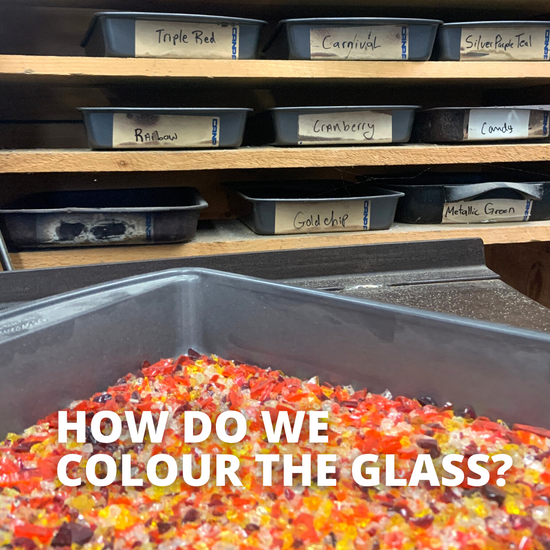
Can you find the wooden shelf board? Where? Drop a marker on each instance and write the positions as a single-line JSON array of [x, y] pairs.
[[231, 236], [76, 160], [101, 70], [516, 5]]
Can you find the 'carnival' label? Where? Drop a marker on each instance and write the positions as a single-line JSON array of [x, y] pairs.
[[374, 42]]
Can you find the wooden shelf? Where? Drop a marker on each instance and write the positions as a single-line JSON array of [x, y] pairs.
[[102, 70], [226, 237], [516, 5], [45, 160]]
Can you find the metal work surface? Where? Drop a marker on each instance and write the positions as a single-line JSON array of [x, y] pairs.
[[444, 276], [68, 347]]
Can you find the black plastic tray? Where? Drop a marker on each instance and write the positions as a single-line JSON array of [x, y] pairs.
[[493, 41], [450, 124], [312, 206], [471, 198], [113, 34], [68, 347], [225, 127], [412, 39], [90, 218]]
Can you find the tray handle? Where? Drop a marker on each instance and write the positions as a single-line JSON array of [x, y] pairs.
[[455, 193]]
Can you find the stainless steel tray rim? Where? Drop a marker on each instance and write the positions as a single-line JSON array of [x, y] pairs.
[[349, 21], [510, 107], [387, 193], [346, 108], [165, 110], [497, 24], [264, 287]]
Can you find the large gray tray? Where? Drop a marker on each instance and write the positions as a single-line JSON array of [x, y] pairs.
[[447, 45], [292, 36], [113, 34], [99, 122], [68, 347]]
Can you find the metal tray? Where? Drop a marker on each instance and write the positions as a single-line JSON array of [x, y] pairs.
[[373, 38], [448, 124], [91, 218], [471, 198], [309, 126], [312, 206], [134, 34], [157, 128], [70, 346], [493, 41]]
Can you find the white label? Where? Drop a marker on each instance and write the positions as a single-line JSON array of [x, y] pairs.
[[140, 131], [321, 217], [487, 210], [505, 44], [498, 124], [346, 127], [88, 228], [186, 40], [376, 42]]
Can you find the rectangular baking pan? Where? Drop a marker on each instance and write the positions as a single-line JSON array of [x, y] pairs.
[[450, 124], [134, 34], [493, 41], [471, 198], [312, 206], [354, 38], [297, 125], [70, 346], [107, 217], [134, 128]]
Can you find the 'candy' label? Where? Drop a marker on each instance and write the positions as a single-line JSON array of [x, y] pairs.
[[490, 124]]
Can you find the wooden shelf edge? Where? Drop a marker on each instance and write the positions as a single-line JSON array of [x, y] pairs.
[[28, 68], [45, 160], [233, 237]]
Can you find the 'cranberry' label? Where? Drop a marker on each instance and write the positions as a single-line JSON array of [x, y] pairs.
[[357, 127]]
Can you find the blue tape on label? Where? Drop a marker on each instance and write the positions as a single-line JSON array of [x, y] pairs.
[[527, 212], [148, 226], [546, 43], [404, 31], [214, 132], [234, 36], [366, 214]]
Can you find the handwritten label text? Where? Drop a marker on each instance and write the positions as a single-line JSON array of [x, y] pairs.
[[374, 42], [505, 43], [186, 40]]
